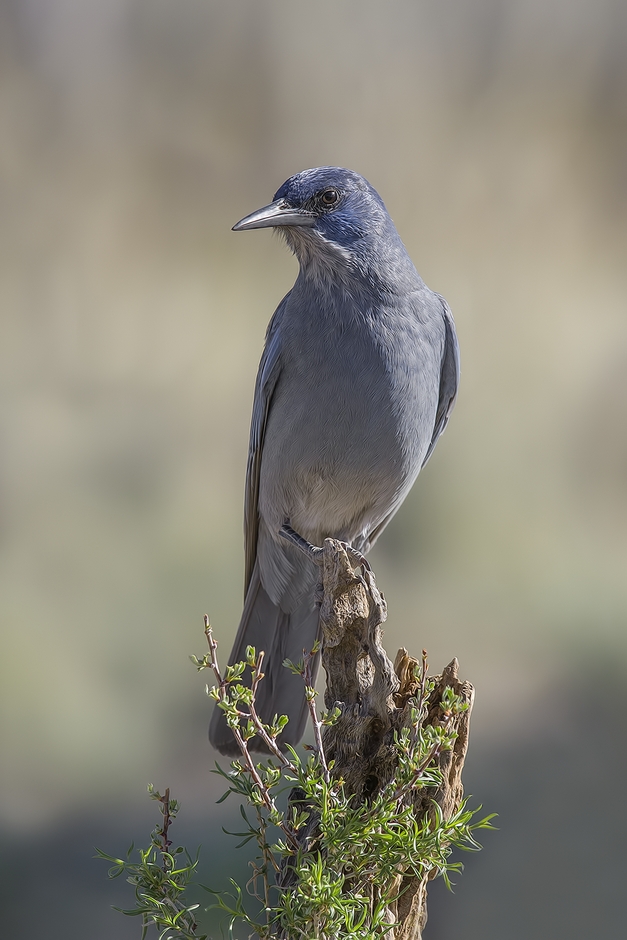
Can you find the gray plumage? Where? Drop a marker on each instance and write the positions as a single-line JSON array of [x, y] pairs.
[[356, 383]]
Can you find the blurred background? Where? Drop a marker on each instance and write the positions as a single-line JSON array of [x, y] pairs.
[[133, 134]]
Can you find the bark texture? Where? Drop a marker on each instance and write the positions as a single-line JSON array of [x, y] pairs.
[[373, 695]]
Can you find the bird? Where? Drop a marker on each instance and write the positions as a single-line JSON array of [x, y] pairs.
[[356, 383]]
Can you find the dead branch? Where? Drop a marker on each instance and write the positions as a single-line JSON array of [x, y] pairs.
[[375, 699]]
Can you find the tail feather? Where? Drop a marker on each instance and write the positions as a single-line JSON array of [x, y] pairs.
[[281, 636]]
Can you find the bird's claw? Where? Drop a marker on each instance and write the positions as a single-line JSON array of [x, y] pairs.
[[356, 558], [312, 551]]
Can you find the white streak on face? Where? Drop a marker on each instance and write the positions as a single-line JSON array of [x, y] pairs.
[[322, 261]]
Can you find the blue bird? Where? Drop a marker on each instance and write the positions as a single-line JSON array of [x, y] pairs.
[[356, 383]]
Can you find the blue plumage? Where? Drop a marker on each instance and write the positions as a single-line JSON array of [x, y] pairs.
[[356, 382]]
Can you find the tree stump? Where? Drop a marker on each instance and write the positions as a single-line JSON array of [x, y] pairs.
[[373, 696]]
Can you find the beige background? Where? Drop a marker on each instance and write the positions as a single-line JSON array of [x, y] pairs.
[[133, 134]]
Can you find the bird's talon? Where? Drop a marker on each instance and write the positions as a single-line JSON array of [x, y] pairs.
[[356, 558], [312, 551]]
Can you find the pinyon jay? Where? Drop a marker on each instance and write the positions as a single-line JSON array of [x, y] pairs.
[[356, 383]]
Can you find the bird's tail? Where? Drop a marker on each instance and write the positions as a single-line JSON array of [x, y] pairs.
[[281, 636]]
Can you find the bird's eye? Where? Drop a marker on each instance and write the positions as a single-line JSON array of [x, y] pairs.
[[329, 197]]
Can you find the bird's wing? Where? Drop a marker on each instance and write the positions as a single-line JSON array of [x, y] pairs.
[[449, 380], [267, 377], [449, 377]]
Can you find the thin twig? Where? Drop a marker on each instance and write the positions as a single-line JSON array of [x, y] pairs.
[[241, 742], [421, 697], [432, 755], [167, 819], [269, 741], [311, 704]]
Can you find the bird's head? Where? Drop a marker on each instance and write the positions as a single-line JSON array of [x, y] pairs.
[[329, 216]]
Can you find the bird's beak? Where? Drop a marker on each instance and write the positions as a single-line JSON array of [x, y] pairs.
[[278, 212]]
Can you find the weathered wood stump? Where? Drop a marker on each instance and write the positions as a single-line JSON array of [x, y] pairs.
[[373, 696]]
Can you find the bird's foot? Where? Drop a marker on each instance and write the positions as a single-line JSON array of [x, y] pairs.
[[356, 558], [312, 551]]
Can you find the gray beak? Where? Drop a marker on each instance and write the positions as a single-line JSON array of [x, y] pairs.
[[278, 212]]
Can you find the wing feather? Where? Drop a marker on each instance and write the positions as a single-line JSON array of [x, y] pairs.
[[267, 378], [449, 377]]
